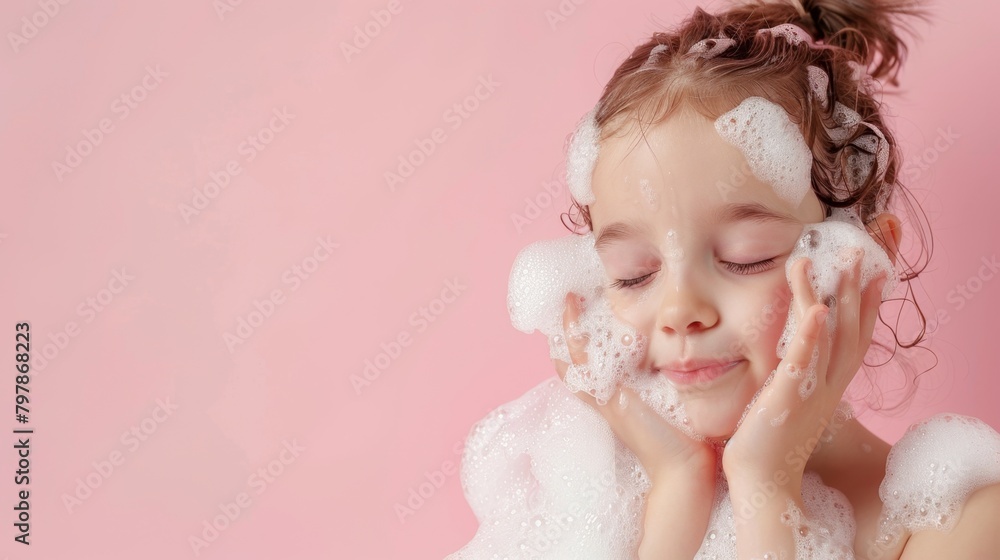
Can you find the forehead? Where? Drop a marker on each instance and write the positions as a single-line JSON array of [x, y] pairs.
[[687, 166]]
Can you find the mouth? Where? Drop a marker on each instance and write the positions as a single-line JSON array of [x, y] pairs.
[[697, 374]]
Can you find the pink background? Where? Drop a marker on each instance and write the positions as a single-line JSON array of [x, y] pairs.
[[64, 236]]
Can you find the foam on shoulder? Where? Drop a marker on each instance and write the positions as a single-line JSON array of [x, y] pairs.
[[932, 470]]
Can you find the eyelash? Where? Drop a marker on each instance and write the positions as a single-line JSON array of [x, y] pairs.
[[738, 268]]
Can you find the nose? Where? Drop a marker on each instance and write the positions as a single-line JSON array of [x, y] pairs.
[[686, 307]]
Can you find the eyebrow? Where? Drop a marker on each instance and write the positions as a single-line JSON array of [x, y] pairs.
[[735, 212], [618, 231], [752, 211]]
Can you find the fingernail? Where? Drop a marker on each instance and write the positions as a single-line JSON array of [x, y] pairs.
[[821, 316]]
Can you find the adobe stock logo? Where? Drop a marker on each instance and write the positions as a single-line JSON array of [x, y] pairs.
[[30, 27], [122, 106], [421, 320]]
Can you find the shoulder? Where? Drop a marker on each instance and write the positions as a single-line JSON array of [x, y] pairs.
[[976, 535], [942, 484]]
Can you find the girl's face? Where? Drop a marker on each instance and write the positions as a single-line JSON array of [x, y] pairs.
[[695, 247]]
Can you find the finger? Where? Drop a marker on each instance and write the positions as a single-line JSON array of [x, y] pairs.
[[576, 345], [802, 292], [653, 439], [871, 300], [848, 316], [850, 297], [790, 383], [575, 338], [796, 375]]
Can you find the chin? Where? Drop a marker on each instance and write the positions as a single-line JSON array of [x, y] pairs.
[[713, 419]]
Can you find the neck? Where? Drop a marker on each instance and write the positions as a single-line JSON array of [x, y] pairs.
[[844, 445]]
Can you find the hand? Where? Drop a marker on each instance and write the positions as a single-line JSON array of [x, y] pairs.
[[797, 403], [661, 448], [682, 470]]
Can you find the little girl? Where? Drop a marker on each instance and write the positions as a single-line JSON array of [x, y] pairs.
[[736, 166]]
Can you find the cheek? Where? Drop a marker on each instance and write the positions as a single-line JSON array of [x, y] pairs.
[[636, 307], [763, 325]]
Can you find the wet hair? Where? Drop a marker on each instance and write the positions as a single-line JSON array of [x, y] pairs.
[[712, 62]]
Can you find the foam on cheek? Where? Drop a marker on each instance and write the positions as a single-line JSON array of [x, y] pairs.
[[828, 245], [582, 157], [543, 274], [614, 350], [544, 474], [772, 144]]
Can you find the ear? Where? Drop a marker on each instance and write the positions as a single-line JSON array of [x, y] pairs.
[[886, 231]]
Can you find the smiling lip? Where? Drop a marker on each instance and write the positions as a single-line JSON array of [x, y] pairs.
[[688, 373]]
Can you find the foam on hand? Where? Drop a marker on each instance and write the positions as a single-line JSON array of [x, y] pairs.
[[772, 144], [829, 246], [542, 275]]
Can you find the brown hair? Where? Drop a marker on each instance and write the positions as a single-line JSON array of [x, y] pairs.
[[848, 35]]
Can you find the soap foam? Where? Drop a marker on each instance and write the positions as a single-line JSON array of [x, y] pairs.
[[792, 33], [547, 479], [710, 48], [827, 245], [654, 56], [773, 146], [819, 83], [614, 351], [542, 275], [932, 470], [582, 157], [827, 528], [652, 197]]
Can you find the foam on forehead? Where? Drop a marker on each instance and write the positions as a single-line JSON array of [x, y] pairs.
[[582, 157], [773, 146]]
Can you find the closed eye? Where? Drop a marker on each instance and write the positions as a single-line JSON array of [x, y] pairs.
[[630, 282], [749, 268], [738, 268]]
